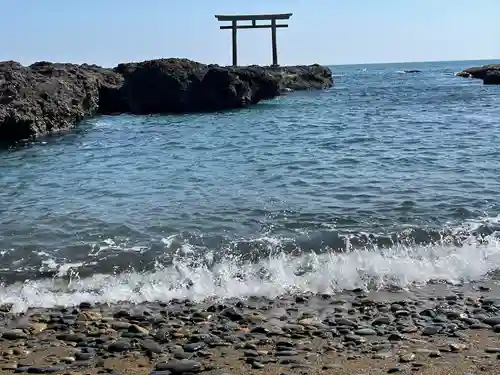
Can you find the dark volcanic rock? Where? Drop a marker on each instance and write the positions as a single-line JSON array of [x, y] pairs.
[[492, 77], [180, 85], [47, 98], [490, 74], [302, 77]]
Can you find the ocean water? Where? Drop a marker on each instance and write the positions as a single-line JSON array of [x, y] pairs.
[[386, 180]]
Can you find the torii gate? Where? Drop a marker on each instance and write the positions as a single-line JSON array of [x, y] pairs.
[[254, 18]]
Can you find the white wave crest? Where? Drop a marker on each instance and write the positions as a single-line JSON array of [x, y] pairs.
[[283, 273]]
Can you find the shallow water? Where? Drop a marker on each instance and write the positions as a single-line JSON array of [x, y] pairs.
[[386, 179]]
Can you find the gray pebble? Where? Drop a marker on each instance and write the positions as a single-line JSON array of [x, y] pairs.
[[392, 370], [71, 337], [44, 370], [79, 356], [251, 353], [431, 330], [257, 365], [382, 355], [354, 338], [395, 337], [232, 314], [492, 321], [14, 334], [382, 320], [285, 344], [405, 358], [496, 328], [365, 332], [194, 347], [21, 369], [120, 346], [151, 346], [179, 366], [435, 354], [346, 322]]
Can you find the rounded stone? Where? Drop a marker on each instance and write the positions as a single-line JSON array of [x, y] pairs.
[[365, 332]]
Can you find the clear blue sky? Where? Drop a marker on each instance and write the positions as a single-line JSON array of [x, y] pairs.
[[107, 32]]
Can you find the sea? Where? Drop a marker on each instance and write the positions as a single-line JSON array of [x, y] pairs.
[[388, 180]]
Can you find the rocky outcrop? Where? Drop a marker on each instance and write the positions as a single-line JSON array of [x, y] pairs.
[[45, 98], [296, 78], [179, 86], [492, 77], [490, 74]]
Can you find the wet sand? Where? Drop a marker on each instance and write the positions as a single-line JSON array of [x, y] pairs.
[[438, 329]]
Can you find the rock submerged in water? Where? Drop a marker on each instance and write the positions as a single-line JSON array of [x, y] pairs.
[[490, 74], [46, 98]]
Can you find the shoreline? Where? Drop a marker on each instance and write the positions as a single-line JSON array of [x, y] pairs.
[[48, 98], [447, 329]]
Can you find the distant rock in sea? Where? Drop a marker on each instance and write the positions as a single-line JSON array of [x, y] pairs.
[[46, 98], [490, 74]]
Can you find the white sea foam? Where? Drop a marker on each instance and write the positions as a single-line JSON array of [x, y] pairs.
[[324, 273]]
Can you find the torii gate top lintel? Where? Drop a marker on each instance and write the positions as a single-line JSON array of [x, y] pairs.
[[254, 18]]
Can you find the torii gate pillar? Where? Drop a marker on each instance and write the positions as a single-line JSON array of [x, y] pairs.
[[254, 18]]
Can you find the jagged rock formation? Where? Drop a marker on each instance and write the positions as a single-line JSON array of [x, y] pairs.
[[490, 74], [46, 98]]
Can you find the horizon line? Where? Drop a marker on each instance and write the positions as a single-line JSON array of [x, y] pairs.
[[284, 65], [411, 62]]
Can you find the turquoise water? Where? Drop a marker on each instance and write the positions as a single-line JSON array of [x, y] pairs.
[[385, 178]]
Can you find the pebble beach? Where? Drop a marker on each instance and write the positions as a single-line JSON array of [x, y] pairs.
[[438, 329]]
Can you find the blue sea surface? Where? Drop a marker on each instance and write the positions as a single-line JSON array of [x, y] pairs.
[[386, 178]]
